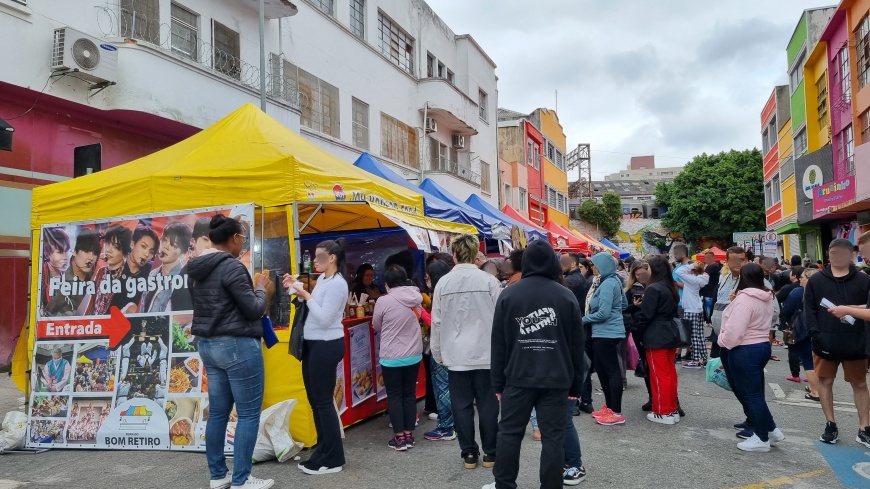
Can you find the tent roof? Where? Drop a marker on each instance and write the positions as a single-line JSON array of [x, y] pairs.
[[622, 253], [488, 209], [572, 243], [434, 207], [513, 214], [599, 244], [429, 185], [720, 254], [245, 157]]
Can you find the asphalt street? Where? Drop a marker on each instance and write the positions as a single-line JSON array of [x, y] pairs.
[[700, 452]]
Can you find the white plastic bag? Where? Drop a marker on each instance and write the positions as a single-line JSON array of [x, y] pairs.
[[273, 439], [13, 431]]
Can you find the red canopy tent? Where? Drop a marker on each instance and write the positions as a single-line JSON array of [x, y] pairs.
[[719, 254], [513, 214], [564, 240]]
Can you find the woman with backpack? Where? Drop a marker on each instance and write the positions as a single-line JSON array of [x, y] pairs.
[[800, 349]]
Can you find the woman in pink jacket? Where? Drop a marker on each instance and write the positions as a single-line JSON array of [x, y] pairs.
[[745, 333], [396, 317]]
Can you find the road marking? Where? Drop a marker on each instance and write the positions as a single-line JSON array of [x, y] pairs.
[[777, 390], [813, 404], [8, 484], [783, 481]]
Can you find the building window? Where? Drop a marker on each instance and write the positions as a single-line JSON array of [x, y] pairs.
[[451, 79], [865, 127], [551, 152], [184, 32], [484, 177], [560, 202], [523, 197], [845, 73], [482, 104], [140, 19], [768, 198], [775, 189], [439, 156], [321, 112], [551, 197], [508, 198], [399, 141], [560, 160], [772, 132], [797, 74], [800, 142], [396, 44], [822, 100], [430, 66], [358, 18], [360, 118], [764, 142], [862, 48], [537, 154], [530, 159], [226, 50], [440, 70], [849, 143], [325, 6]]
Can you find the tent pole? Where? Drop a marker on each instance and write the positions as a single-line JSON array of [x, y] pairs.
[[262, 56], [296, 231], [262, 238]]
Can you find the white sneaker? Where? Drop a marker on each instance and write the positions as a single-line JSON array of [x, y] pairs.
[[776, 436], [321, 470], [489, 486], [433, 416], [676, 415], [254, 483], [221, 483], [661, 418], [754, 444]]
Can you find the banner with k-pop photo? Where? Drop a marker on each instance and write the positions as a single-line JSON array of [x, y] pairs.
[[115, 363]]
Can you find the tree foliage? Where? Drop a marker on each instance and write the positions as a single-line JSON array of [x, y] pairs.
[[607, 214], [715, 195]]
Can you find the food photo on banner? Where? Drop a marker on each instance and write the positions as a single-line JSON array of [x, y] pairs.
[[115, 364]]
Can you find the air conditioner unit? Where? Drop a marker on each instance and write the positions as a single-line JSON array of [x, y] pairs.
[[95, 60], [458, 141], [431, 125]]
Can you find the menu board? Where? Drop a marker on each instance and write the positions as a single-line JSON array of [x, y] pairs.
[[361, 382]]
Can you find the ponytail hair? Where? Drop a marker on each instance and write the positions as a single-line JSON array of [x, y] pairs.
[[337, 248], [222, 229]]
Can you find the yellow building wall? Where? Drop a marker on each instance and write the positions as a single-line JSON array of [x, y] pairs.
[[787, 186], [553, 176], [816, 82], [786, 143]]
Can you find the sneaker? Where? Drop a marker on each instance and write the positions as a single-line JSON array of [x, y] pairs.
[[647, 407], [661, 418], [792, 378], [573, 475], [398, 443], [224, 483], [321, 470], [433, 416], [777, 436], [575, 410], [470, 460], [681, 412], [488, 461], [409, 440], [586, 407], [604, 411], [831, 435], [746, 434], [676, 415], [692, 364], [754, 444], [742, 426], [254, 483], [446, 434], [489, 486], [611, 419], [864, 437]]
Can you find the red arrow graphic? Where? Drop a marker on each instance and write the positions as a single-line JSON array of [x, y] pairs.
[[114, 327]]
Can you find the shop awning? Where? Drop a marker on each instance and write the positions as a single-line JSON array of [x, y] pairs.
[[476, 202], [499, 230], [245, 157], [513, 214], [622, 253], [433, 206], [793, 228], [565, 241]]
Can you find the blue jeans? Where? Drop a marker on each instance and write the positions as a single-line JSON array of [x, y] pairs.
[[573, 457], [747, 364], [708, 307], [234, 366], [441, 387]]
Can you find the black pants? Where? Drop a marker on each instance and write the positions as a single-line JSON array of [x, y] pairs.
[[466, 389], [794, 360], [319, 361], [723, 354], [430, 405], [607, 366], [641, 353], [586, 392], [516, 407], [401, 384]]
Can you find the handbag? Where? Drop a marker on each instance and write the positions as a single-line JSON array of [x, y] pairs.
[[297, 333], [684, 332], [788, 333], [631, 355]]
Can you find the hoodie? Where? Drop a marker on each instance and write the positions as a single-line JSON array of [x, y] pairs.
[[608, 301], [224, 300], [395, 318], [832, 338], [746, 320], [537, 334]]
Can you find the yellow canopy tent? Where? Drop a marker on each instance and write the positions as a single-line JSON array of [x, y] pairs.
[[84, 359], [245, 157]]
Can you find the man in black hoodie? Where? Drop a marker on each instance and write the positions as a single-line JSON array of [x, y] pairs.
[[836, 341], [537, 362]]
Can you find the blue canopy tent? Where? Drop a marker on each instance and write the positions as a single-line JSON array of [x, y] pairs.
[[433, 206], [622, 253], [476, 202], [500, 228]]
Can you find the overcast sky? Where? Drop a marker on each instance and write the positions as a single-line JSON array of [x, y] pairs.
[[665, 77]]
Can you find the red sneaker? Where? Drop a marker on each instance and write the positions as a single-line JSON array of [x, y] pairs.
[[611, 419], [604, 411]]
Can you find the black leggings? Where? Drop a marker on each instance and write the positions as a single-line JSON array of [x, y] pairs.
[[401, 384], [607, 366], [319, 361]]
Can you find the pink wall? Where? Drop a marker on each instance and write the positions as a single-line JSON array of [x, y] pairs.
[[836, 34]]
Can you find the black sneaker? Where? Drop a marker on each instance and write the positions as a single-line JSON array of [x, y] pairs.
[[647, 408], [470, 460], [586, 407], [575, 411], [864, 437], [746, 433], [573, 475], [488, 461], [681, 412], [409, 440], [831, 435], [398, 443], [742, 426]]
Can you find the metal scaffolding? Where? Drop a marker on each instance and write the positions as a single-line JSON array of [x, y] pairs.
[[581, 159]]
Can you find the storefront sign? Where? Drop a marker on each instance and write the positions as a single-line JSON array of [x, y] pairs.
[[115, 364], [831, 197], [812, 178], [759, 242]]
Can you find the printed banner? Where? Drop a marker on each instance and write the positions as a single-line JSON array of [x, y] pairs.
[[380, 389], [115, 364], [831, 197], [338, 393], [361, 384]]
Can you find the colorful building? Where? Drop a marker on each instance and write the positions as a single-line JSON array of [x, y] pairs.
[[555, 175]]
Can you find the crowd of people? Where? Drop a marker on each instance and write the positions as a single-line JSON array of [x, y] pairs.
[[84, 423], [94, 377]]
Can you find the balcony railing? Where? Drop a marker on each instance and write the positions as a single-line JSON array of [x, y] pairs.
[[444, 165], [115, 21]]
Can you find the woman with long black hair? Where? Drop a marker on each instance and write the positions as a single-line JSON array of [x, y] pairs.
[[324, 348], [634, 288]]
